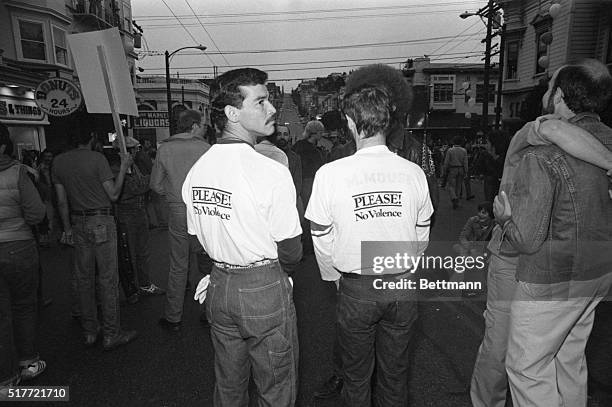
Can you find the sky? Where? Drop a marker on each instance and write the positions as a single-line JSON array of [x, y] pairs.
[[294, 40]]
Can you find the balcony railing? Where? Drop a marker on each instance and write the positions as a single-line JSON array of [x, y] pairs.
[[99, 13]]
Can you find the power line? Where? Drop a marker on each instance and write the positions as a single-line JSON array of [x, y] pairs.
[[188, 32], [306, 19], [334, 47], [402, 59], [319, 67], [317, 11], [207, 33], [451, 40]]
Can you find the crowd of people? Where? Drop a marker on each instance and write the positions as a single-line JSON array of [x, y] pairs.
[[545, 226]]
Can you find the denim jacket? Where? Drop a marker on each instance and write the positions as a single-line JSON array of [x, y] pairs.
[[561, 213]]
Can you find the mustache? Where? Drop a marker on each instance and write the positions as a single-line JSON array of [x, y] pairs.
[[271, 119]]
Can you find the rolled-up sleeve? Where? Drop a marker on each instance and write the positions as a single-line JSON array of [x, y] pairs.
[[531, 201]]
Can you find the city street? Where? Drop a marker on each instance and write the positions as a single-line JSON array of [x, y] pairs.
[[176, 369], [168, 369]]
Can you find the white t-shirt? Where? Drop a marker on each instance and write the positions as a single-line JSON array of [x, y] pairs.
[[373, 195], [239, 204]]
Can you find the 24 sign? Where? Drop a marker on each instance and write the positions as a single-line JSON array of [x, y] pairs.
[[58, 97]]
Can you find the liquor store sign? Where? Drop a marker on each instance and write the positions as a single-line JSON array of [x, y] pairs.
[[58, 97], [147, 120]]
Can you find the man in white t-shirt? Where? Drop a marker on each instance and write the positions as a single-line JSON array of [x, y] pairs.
[[241, 206], [357, 204]]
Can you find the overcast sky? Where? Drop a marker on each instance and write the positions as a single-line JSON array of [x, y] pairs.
[[334, 35]]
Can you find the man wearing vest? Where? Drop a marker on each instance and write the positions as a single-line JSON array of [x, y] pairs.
[[371, 196], [85, 191], [20, 208], [175, 156], [241, 206]]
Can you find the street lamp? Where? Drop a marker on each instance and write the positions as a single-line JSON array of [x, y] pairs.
[[168, 55]]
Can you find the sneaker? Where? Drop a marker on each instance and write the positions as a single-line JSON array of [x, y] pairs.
[[330, 389], [4, 389], [33, 370], [152, 290], [122, 338], [170, 326]]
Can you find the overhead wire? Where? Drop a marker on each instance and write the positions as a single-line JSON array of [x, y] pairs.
[[207, 33], [334, 47], [306, 19], [188, 32], [321, 11], [403, 59], [451, 40]]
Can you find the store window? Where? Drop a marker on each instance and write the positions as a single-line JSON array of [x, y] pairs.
[[61, 48], [32, 39]]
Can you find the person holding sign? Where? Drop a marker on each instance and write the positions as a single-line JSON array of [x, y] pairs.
[[84, 183]]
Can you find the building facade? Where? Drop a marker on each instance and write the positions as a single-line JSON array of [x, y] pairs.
[[543, 35], [34, 47], [152, 122], [448, 98]]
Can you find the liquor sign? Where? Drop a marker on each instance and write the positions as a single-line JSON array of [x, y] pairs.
[[58, 97], [151, 119]]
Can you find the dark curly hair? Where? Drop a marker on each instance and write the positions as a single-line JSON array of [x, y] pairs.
[[587, 86], [228, 91], [379, 74]]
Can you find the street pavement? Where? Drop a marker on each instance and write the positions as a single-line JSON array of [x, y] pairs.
[[176, 369]]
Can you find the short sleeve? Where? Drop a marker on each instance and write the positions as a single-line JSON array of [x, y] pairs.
[[534, 138], [283, 216], [104, 171], [318, 209]]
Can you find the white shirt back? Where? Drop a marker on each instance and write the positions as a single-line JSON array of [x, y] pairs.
[[239, 204], [373, 195]]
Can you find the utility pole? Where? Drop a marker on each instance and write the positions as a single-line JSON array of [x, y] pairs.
[[487, 72], [500, 78]]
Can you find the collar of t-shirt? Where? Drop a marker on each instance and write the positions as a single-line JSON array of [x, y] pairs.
[[374, 150], [233, 141]]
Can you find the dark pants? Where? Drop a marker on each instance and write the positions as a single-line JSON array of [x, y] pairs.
[[95, 244], [253, 329], [135, 223], [18, 306], [491, 186], [376, 327]]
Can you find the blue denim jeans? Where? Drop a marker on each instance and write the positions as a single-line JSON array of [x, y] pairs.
[[18, 306], [375, 327], [95, 243], [253, 329], [179, 262], [135, 223]]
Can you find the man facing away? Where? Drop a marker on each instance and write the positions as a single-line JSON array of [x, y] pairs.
[[85, 191], [241, 206], [489, 379], [455, 168], [559, 218], [174, 159], [375, 326]]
